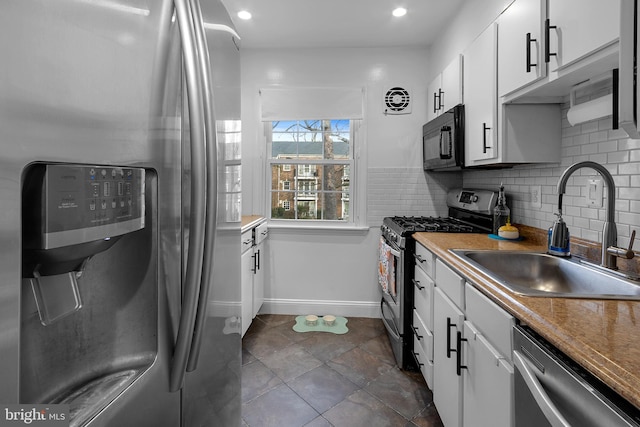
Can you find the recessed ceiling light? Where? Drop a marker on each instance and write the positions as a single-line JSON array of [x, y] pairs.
[[401, 11], [243, 14]]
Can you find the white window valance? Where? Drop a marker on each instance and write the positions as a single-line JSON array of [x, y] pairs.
[[304, 103]]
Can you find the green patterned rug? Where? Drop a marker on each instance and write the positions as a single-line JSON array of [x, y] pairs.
[[338, 327]]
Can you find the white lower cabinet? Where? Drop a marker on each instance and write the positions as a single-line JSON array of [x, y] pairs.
[[246, 286], [448, 323], [423, 348], [252, 263], [486, 382], [472, 371]]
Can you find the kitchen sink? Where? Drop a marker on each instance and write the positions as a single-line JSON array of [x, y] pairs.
[[540, 274]]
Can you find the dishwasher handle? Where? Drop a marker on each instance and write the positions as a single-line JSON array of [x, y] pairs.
[[543, 400]]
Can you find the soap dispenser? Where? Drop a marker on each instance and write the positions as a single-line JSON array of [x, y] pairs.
[[501, 212], [558, 241]]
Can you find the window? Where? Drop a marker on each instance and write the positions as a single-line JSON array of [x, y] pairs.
[[310, 163]]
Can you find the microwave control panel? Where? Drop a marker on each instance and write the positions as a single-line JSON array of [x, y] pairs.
[[71, 204]]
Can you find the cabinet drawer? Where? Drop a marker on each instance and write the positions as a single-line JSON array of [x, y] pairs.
[[425, 259], [423, 297], [450, 283], [425, 365], [494, 323], [247, 240], [422, 337], [260, 233]]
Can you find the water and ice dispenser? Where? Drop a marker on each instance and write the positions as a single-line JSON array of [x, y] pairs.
[[70, 213]]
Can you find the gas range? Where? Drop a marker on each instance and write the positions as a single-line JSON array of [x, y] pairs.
[[469, 212], [397, 228]]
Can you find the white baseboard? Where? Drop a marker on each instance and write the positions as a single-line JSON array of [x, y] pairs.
[[369, 309]]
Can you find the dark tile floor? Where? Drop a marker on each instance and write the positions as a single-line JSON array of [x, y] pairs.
[[292, 379]]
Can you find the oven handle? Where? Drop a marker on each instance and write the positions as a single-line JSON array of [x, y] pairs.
[[389, 328], [392, 251], [547, 407]]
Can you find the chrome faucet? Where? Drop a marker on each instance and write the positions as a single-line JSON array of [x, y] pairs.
[[609, 231]]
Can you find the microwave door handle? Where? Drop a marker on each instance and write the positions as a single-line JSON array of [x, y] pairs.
[[445, 142]]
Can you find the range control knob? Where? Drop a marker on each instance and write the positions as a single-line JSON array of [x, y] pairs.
[[474, 198]]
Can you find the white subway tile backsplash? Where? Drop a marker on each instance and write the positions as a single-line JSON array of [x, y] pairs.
[[408, 192], [594, 141]]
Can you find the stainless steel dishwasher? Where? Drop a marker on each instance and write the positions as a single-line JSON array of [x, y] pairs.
[[552, 390]]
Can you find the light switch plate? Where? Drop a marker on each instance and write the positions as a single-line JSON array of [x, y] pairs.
[[594, 193]]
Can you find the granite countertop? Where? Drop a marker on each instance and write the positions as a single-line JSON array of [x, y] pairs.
[[250, 221], [601, 335]]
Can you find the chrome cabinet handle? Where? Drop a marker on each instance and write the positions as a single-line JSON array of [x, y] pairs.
[[550, 411], [417, 284]]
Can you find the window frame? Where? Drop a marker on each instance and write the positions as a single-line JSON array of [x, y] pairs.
[[357, 183]]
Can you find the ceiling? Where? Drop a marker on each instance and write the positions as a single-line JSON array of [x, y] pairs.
[[340, 23]]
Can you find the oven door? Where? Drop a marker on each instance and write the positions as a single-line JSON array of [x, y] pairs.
[[395, 339], [391, 306]]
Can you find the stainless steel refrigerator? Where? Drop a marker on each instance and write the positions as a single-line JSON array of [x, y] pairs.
[[120, 211]]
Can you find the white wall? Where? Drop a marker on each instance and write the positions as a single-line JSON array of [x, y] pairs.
[[308, 270], [472, 19]]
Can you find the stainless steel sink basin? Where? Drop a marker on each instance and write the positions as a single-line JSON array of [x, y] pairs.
[[539, 274]]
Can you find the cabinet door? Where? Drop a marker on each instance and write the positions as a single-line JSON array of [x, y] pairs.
[[258, 277], [520, 43], [582, 27], [433, 98], [451, 94], [447, 384], [480, 93], [246, 290], [487, 383]]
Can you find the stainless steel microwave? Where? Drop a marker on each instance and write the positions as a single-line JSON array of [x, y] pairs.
[[443, 141]]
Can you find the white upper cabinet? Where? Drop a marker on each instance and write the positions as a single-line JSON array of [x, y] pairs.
[[503, 134], [480, 98], [445, 91], [520, 45], [577, 28]]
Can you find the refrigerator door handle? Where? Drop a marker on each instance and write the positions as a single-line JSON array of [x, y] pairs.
[[198, 209], [212, 186]]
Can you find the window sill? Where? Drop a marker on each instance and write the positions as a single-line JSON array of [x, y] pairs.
[[318, 228]]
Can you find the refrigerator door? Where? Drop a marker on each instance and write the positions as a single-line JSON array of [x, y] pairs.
[[98, 83]]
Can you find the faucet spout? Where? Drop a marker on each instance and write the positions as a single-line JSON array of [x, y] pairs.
[[609, 230]]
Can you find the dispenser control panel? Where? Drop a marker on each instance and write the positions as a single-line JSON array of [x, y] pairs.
[[81, 203]]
